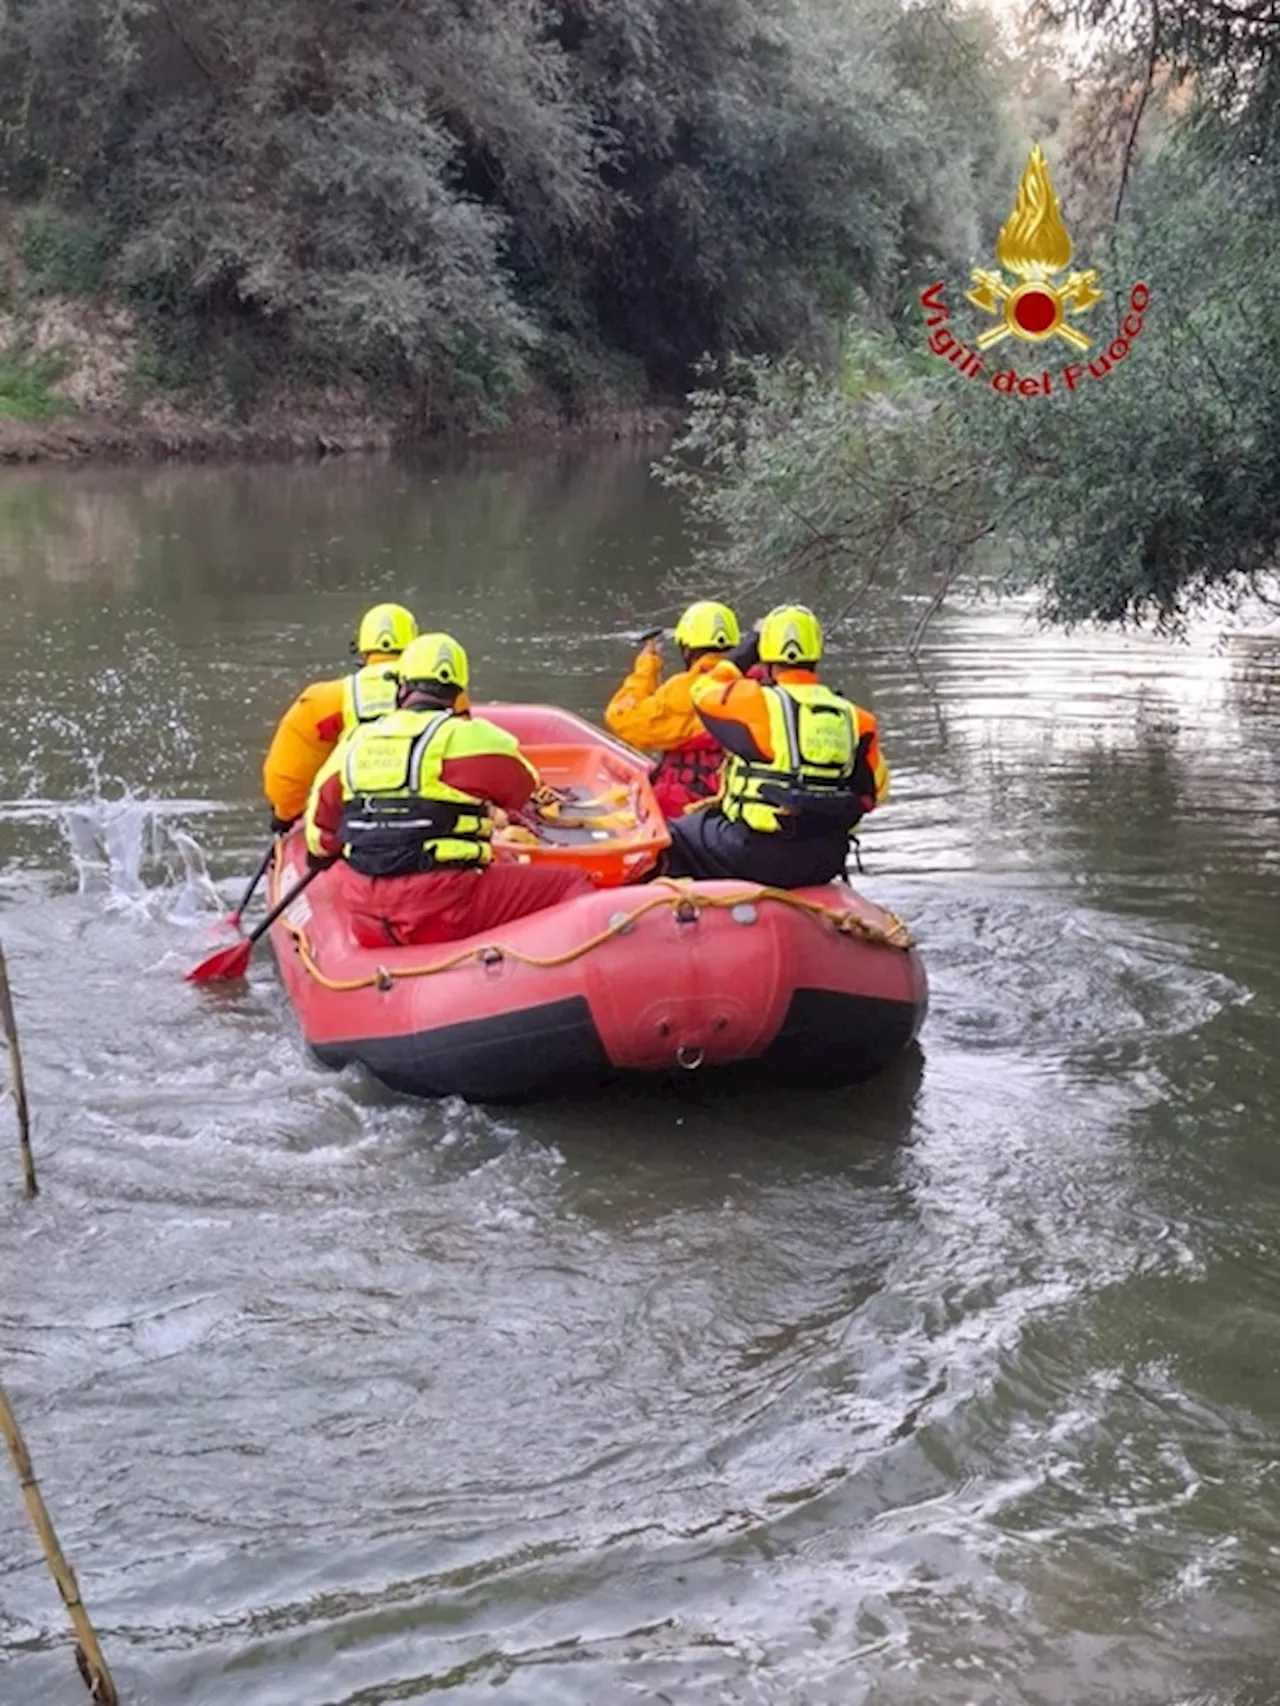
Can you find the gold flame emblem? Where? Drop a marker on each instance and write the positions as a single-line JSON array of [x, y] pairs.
[[1034, 245]]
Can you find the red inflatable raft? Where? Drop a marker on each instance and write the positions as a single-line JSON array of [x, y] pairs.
[[813, 987]]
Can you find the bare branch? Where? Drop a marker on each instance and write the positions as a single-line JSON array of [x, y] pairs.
[[1141, 107]]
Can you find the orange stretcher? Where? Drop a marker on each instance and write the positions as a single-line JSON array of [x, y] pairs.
[[596, 808]]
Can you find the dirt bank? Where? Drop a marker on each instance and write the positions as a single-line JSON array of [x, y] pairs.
[[87, 376], [304, 431]]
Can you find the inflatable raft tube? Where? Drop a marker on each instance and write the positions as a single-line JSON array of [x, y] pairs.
[[814, 988]]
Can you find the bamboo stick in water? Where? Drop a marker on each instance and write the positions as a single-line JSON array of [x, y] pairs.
[[89, 1657], [18, 1085]]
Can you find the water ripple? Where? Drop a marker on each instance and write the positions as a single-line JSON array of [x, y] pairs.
[[956, 1387]]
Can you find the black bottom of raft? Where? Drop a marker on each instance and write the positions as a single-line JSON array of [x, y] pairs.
[[827, 1039]]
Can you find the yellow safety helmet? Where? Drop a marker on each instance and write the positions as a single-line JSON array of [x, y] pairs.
[[437, 659], [386, 628], [790, 634], [707, 626]]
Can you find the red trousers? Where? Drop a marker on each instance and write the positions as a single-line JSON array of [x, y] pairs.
[[445, 906]]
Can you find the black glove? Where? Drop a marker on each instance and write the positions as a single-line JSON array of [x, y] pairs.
[[321, 861], [746, 654], [281, 825]]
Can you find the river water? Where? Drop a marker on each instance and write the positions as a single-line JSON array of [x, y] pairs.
[[961, 1388]]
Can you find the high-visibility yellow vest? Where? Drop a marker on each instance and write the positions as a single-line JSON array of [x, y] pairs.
[[367, 694], [807, 786], [398, 816]]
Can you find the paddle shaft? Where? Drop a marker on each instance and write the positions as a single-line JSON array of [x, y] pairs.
[[258, 875], [281, 905], [230, 963]]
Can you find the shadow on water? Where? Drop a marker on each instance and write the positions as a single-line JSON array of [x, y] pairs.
[[682, 1120]]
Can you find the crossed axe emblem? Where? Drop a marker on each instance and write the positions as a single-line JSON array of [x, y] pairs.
[[1035, 309]]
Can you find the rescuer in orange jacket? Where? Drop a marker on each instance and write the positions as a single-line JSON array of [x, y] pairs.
[[658, 716], [803, 767], [326, 710], [406, 803]]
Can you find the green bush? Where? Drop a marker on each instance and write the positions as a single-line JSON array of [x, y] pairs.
[[25, 386], [63, 256], [156, 370], [241, 380]]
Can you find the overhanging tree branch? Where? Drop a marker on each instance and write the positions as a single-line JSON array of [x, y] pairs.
[[1144, 96]]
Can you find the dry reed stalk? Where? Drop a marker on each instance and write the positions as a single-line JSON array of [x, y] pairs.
[[89, 1657], [18, 1084]]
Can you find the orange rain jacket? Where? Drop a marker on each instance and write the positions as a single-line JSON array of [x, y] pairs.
[[657, 715], [307, 734], [733, 708]]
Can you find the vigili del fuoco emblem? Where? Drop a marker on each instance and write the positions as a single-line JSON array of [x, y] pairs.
[[1033, 245], [1040, 305]]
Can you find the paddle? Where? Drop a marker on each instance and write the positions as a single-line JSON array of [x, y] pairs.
[[230, 963], [233, 918]]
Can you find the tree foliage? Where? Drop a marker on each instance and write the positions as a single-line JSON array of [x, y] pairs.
[[1134, 499], [1225, 44], [1164, 493], [437, 194], [829, 485]]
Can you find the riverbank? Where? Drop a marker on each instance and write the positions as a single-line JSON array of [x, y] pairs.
[[80, 382], [306, 429]]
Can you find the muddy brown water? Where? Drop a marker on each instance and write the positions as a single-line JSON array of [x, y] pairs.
[[961, 1388]]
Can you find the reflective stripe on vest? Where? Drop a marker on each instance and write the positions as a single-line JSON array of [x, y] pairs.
[[399, 817], [814, 735], [367, 694]]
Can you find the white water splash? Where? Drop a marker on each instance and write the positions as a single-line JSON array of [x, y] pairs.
[[128, 855]]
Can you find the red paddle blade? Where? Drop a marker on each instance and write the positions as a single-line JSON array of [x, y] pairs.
[[226, 965]]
